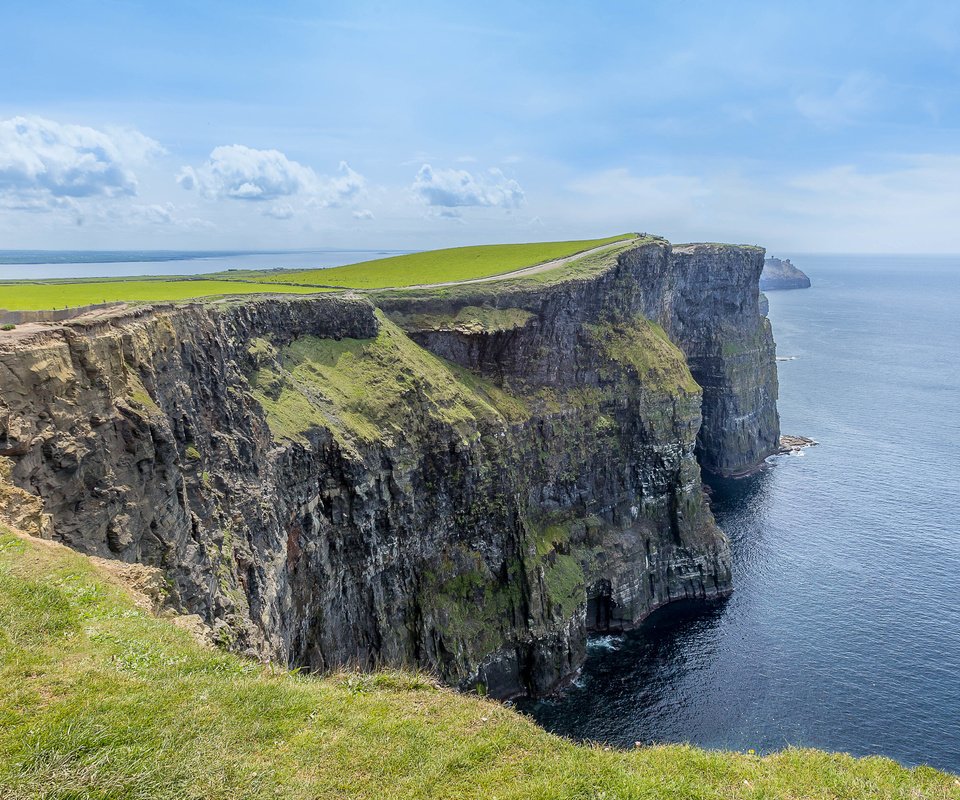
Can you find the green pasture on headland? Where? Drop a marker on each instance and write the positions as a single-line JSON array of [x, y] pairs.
[[40, 296], [439, 266], [434, 266]]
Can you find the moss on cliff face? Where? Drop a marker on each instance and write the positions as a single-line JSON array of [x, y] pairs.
[[643, 347], [372, 389], [469, 319]]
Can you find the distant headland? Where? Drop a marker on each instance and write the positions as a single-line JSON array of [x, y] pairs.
[[781, 274]]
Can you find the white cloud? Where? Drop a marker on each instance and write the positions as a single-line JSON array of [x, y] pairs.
[[363, 213], [47, 165], [448, 213], [243, 173], [456, 188], [342, 190], [279, 211]]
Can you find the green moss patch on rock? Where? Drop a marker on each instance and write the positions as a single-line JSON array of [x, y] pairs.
[[644, 347], [468, 319], [372, 389]]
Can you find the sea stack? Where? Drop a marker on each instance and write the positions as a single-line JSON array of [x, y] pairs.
[[781, 274]]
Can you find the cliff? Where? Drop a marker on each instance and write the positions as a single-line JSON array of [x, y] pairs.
[[781, 274], [465, 479]]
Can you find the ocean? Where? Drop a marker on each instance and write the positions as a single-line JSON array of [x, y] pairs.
[[843, 632]]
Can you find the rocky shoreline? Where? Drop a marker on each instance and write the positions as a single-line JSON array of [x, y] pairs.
[[794, 444]]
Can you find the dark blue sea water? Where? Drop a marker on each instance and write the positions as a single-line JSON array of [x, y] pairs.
[[38, 264], [844, 629]]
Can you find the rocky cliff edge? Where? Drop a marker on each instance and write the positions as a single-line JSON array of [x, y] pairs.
[[466, 480]]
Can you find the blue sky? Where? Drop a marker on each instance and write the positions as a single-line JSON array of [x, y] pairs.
[[805, 126]]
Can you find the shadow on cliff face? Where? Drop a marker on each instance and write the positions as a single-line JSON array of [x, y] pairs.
[[644, 685]]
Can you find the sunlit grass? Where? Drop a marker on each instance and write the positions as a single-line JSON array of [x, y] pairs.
[[41, 296], [100, 700], [439, 266], [434, 266]]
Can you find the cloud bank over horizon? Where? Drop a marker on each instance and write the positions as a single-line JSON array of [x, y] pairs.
[[817, 129]]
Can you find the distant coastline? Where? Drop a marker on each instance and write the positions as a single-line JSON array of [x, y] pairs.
[[43, 264], [124, 256]]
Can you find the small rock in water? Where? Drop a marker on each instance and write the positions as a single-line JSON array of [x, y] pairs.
[[794, 444]]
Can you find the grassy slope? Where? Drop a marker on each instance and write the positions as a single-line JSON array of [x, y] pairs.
[[37, 296], [100, 700], [435, 266], [438, 266]]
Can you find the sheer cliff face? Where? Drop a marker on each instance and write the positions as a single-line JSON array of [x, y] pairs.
[[466, 481], [715, 317]]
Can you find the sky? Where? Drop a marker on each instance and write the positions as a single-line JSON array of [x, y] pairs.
[[801, 126]]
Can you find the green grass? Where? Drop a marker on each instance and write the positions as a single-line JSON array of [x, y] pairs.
[[101, 700], [371, 389], [435, 266], [585, 267], [41, 296], [468, 319], [438, 266], [645, 348]]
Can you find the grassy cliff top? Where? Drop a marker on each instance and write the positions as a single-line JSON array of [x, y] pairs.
[[100, 699], [45, 296], [430, 267], [439, 266]]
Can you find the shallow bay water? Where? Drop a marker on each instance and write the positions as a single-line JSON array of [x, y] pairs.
[[844, 629]]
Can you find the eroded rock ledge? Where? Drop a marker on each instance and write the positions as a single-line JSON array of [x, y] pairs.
[[465, 480]]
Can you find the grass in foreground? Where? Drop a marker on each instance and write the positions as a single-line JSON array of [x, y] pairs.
[[39, 296], [101, 700], [439, 266]]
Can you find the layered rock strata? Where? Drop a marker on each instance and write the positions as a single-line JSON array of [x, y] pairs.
[[464, 480]]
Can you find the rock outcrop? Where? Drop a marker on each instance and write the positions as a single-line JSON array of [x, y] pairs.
[[465, 480], [781, 274]]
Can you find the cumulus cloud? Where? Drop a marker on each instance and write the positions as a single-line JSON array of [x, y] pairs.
[[46, 165], [456, 188], [238, 172], [346, 187], [363, 213]]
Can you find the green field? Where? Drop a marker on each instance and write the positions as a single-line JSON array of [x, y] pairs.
[[99, 699], [439, 266], [38, 296], [434, 266]]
